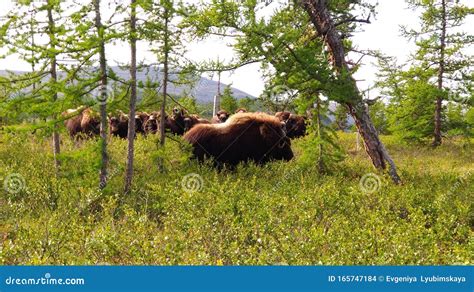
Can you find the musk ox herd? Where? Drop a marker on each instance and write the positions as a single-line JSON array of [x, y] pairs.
[[228, 139]]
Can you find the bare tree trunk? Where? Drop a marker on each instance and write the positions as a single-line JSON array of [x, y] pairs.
[[33, 68], [54, 77], [322, 20], [103, 97], [217, 97], [133, 98], [320, 145], [165, 80], [439, 105]]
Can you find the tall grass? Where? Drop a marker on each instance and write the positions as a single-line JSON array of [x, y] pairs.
[[281, 213]]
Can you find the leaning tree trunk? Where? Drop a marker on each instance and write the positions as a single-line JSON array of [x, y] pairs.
[[322, 20], [103, 97], [54, 77], [133, 98], [439, 101]]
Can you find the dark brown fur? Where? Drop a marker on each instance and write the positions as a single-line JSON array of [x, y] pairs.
[[243, 137], [220, 117], [118, 125], [176, 123], [82, 122], [152, 124], [295, 124], [140, 120], [192, 120]]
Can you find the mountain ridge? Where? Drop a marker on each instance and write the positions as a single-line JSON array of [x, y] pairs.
[[204, 89]]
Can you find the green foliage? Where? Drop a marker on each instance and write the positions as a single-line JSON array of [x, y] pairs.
[[321, 148], [189, 103], [340, 117], [378, 114], [411, 116], [441, 60], [457, 122], [228, 101], [247, 103], [281, 213]]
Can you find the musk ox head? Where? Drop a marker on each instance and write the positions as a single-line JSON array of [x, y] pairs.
[[192, 120], [176, 124], [90, 122], [140, 120], [118, 125], [81, 122], [221, 117], [244, 137], [152, 124], [283, 116], [295, 125], [178, 113]]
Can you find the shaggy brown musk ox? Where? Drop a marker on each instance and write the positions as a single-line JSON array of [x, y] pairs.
[[140, 120], [81, 121], [256, 137], [118, 125], [152, 124]]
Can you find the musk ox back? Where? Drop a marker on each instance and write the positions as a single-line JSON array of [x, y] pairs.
[[243, 137]]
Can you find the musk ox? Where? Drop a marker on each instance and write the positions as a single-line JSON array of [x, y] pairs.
[[119, 125], [152, 124], [81, 122], [295, 125], [220, 117], [257, 137], [176, 123], [140, 120], [192, 120]]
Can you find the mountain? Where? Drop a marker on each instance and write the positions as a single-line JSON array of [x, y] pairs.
[[204, 89]]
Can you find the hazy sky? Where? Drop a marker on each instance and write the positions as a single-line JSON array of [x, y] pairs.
[[382, 34]]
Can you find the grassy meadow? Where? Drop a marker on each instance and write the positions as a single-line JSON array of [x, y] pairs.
[[191, 214]]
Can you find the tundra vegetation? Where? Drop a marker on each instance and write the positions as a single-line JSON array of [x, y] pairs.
[[96, 167]]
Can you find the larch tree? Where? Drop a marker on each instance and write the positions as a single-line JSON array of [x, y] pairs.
[[302, 48], [100, 29], [40, 88], [163, 29], [441, 47], [329, 19], [133, 95], [88, 49], [228, 102]]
